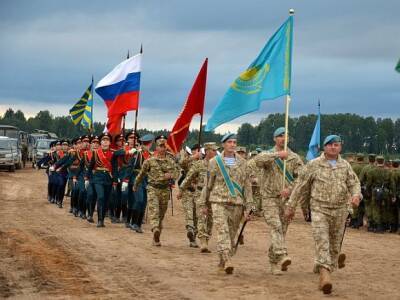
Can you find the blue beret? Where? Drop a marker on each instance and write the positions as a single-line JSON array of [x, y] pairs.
[[258, 149], [147, 138], [279, 131], [333, 138], [228, 136]]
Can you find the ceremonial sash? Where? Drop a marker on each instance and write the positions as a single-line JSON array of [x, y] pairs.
[[232, 186], [89, 154], [103, 159], [60, 154], [288, 176]]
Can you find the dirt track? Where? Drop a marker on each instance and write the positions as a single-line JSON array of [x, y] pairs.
[[47, 253]]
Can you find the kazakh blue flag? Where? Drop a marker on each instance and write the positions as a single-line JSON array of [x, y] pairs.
[[315, 142], [267, 78]]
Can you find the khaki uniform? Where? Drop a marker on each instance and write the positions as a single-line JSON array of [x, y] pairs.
[[273, 206], [158, 189], [256, 175], [196, 179], [227, 210], [328, 189]]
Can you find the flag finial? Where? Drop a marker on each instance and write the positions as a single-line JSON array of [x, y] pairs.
[[141, 48], [291, 12]]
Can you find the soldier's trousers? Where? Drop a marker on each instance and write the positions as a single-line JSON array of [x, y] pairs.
[[257, 197], [377, 211], [204, 222], [327, 229], [189, 209], [103, 194], [274, 215], [226, 220], [74, 195], [91, 199], [368, 208], [82, 199], [139, 204], [158, 205]]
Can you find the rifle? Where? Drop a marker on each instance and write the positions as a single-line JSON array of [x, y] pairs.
[[239, 234], [170, 184]]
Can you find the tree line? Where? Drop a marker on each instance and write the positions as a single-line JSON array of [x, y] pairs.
[[360, 134]]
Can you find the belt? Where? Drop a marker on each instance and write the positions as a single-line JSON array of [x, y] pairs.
[[199, 188]]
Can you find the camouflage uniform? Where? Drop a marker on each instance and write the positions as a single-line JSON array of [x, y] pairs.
[[367, 194], [358, 213], [196, 179], [256, 175], [227, 210], [272, 203], [329, 190], [188, 197], [395, 183], [158, 188]]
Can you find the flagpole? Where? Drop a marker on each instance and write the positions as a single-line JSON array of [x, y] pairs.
[[287, 104], [91, 119], [137, 110], [200, 129]]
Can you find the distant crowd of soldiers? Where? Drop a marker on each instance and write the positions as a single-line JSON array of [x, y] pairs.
[[380, 183], [120, 177]]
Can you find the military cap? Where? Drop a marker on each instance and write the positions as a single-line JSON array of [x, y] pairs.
[[253, 153], [76, 140], [119, 137], [85, 137], [228, 136], [395, 163], [147, 138], [279, 131], [58, 142], [64, 142], [241, 149], [161, 140], [380, 158], [195, 146], [94, 138], [372, 155], [333, 138], [360, 157], [259, 149], [210, 146], [132, 133], [53, 143], [105, 135]]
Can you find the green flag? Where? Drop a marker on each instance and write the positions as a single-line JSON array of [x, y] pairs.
[[398, 67], [81, 112]]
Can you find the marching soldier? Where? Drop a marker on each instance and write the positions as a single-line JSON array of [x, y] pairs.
[[197, 179], [188, 195], [161, 171], [274, 196], [100, 169], [228, 190], [139, 205], [366, 192], [242, 151], [395, 182], [327, 181], [61, 175], [255, 178], [358, 213]]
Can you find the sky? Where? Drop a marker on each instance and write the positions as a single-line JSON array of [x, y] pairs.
[[344, 53]]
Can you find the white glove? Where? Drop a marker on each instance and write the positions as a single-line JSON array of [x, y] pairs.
[[51, 169], [86, 184], [132, 151], [124, 186]]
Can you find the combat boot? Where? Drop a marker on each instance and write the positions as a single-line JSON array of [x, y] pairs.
[[190, 234], [156, 238], [276, 269], [204, 246], [90, 219], [341, 260], [325, 283], [285, 262], [228, 267]]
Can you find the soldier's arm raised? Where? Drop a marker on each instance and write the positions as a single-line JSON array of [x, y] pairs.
[[264, 160]]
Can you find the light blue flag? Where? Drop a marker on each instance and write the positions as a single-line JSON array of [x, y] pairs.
[[315, 142], [267, 78]]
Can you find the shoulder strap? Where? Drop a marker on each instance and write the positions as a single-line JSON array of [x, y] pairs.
[[232, 186], [288, 176]]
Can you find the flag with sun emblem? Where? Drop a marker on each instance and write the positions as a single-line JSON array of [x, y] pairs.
[[267, 78]]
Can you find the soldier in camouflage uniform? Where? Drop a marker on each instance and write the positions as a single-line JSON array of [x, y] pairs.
[[228, 196], [197, 178], [329, 182], [162, 171], [358, 213], [367, 193], [378, 182], [256, 175], [395, 182], [274, 196], [188, 195]]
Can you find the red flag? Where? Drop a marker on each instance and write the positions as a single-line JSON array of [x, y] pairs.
[[114, 125], [193, 105]]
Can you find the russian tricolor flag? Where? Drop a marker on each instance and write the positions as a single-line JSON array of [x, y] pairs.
[[120, 88]]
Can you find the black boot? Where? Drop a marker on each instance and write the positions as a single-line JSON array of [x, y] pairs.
[[139, 222], [128, 218]]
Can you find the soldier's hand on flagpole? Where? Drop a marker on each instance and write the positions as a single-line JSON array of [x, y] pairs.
[[285, 193], [282, 154], [248, 216], [355, 201]]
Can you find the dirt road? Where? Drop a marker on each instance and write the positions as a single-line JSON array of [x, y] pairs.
[[47, 253]]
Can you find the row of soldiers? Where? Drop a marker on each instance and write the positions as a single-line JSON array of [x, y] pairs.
[[380, 182], [217, 190]]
